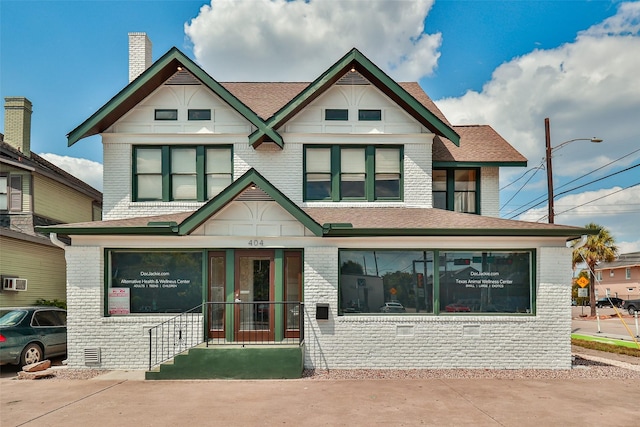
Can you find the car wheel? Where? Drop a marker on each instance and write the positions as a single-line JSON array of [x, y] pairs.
[[632, 310], [32, 353]]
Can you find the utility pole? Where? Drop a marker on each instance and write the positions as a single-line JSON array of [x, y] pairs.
[[549, 171]]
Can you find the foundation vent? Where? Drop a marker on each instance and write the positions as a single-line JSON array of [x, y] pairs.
[[92, 356]]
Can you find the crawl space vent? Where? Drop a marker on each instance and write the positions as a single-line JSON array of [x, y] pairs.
[[91, 356]]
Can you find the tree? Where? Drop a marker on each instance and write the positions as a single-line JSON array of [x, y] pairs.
[[599, 248]]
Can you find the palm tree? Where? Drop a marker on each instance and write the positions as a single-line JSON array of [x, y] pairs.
[[599, 248]]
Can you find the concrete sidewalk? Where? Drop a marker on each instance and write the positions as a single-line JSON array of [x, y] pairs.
[[477, 402]]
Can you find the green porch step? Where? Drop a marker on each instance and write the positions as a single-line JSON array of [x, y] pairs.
[[233, 362]]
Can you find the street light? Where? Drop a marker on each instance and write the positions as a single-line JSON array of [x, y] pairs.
[[548, 156]]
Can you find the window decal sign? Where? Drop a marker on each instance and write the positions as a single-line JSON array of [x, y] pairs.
[[157, 282]]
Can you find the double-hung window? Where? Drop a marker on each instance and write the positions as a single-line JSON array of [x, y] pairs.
[[456, 190], [368, 173], [167, 173]]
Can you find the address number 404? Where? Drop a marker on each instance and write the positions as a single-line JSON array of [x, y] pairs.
[[256, 243]]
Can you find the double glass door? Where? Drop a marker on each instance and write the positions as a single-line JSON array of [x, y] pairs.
[[257, 293]]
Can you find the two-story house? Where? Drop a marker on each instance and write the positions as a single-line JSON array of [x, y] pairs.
[[34, 192], [346, 214], [620, 278]]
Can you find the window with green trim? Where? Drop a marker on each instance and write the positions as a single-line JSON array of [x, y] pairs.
[[457, 189], [368, 173], [167, 173], [199, 114], [370, 115], [436, 281], [166, 114], [336, 114]]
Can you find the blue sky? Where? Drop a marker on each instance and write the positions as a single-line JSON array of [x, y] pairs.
[[504, 63]]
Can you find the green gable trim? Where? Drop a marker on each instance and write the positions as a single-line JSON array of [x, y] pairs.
[[437, 164], [147, 82], [355, 59], [232, 191]]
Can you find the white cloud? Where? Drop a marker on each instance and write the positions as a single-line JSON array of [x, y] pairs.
[[83, 169], [296, 40], [615, 208], [590, 87]]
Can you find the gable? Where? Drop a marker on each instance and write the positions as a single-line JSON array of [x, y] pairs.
[[357, 93], [186, 94], [252, 219], [135, 92], [355, 61]]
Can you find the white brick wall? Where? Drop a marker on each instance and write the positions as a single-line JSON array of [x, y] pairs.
[[490, 191], [349, 342], [435, 342]]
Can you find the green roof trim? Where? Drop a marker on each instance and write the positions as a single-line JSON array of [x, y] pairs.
[[151, 79], [355, 59], [330, 231], [251, 177], [437, 164], [151, 229]]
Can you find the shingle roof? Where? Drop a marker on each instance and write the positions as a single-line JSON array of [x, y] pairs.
[[370, 221], [47, 168], [478, 143], [266, 98], [422, 218]]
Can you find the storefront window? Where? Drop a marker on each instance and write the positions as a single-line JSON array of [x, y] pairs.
[[153, 282], [400, 282], [485, 282], [386, 282]]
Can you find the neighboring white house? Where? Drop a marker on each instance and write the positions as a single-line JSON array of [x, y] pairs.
[[346, 193]]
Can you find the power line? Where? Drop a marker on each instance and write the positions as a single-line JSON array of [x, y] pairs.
[[591, 201], [599, 179], [522, 176], [575, 188], [520, 189]]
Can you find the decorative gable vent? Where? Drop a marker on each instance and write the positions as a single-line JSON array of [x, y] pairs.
[[183, 77], [353, 78], [253, 194]]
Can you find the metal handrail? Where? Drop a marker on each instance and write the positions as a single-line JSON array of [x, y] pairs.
[[176, 335], [254, 319]]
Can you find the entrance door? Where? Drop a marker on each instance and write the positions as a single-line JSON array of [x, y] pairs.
[[254, 289]]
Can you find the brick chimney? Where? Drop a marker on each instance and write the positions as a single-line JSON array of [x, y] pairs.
[[17, 123], [139, 54]]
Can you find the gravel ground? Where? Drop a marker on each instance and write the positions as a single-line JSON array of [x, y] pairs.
[[582, 367]]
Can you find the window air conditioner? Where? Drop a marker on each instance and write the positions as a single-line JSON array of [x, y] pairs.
[[14, 284]]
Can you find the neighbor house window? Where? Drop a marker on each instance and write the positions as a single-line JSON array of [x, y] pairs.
[[369, 115], [199, 115], [611, 273], [169, 173], [4, 193], [166, 114], [336, 114], [628, 273], [598, 275], [456, 190], [435, 282], [367, 173], [141, 282]]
